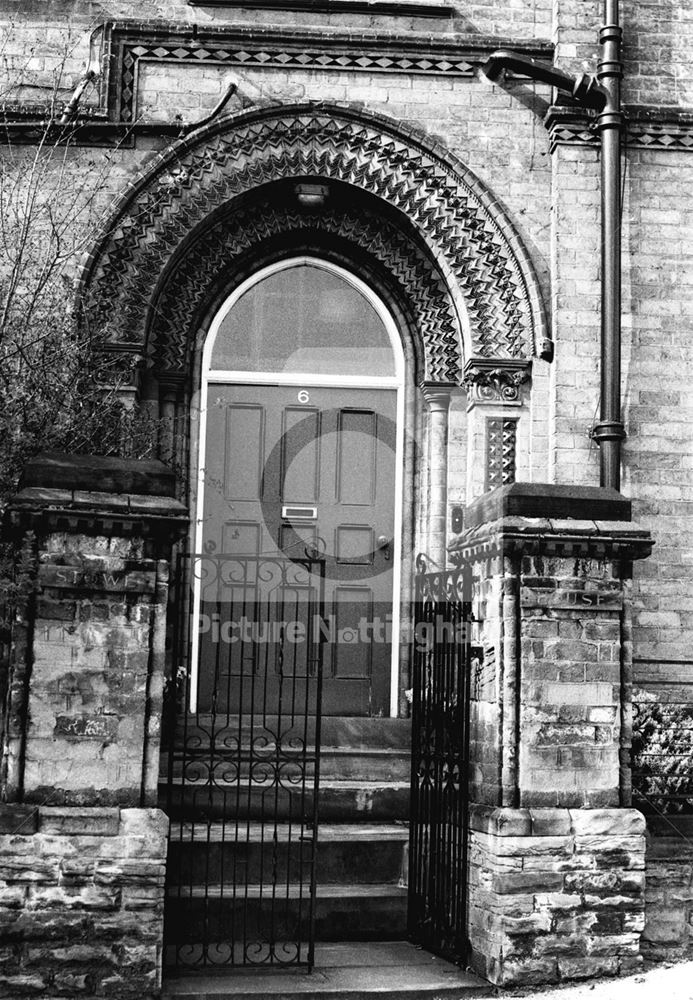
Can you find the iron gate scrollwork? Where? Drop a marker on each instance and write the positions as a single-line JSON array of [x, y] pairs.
[[440, 755], [243, 762]]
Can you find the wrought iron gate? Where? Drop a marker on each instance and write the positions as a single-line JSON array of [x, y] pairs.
[[243, 762], [440, 755]]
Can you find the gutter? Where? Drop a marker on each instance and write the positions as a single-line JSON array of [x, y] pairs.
[[600, 93]]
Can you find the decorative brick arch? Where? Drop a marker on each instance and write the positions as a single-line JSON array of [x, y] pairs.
[[493, 309], [205, 267]]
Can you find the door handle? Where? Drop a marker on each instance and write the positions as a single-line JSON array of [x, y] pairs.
[[385, 545]]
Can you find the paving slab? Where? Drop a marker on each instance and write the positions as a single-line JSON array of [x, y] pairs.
[[393, 970]]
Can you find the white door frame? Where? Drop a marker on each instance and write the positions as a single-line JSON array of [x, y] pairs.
[[223, 377]]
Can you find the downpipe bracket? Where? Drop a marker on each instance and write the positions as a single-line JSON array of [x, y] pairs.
[[608, 430]]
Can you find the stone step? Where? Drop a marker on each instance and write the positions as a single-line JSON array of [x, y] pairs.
[[342, 913], [349, 732], [335, 762], [359, 970], [349, 800], [254, 832], [349, 853]]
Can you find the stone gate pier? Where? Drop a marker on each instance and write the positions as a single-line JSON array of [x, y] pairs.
[[82, 843], [557, 855]]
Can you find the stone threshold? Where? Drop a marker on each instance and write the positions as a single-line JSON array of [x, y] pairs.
[[394, 970]]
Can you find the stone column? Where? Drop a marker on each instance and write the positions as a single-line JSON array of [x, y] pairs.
[[438, 400], [557, 862], [169, 393], [83, 749]]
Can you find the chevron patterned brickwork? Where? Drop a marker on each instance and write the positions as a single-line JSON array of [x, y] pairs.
[[501, 444], [447, 206], [209, 264]]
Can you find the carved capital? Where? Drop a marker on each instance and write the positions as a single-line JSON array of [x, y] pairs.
[[437, 395], [490, 380], [170, 384]]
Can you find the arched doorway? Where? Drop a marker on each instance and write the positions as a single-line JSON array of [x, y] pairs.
[[439, 264], [301, 450]]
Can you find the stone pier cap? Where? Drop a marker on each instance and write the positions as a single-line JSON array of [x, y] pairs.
[[550, 519], [87, 493]]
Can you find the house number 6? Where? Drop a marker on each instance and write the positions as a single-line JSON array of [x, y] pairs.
[[304, 396]]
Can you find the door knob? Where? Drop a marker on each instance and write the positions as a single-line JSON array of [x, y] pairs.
[[384, 543]]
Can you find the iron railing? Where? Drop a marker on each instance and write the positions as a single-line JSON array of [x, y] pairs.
[[440, 755], [243, 762], [662, 755]]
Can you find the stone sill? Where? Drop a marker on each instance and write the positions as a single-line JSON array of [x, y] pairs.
[[100, 514], [93, 821], [501, 821]]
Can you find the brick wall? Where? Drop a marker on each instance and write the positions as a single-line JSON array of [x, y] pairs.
[[656, 39], [81, 901], [501, 137], [571, 682], [498, 134], [551, 699], [97, 675], [575, 303], [658, 398]]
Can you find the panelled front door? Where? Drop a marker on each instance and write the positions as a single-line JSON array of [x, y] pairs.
[[290, 469]]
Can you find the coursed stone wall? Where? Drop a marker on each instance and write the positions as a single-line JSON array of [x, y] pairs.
[[556, 893], [81, 901], [668, 931]]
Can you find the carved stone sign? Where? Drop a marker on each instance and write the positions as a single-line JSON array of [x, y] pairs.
[[87, 727]]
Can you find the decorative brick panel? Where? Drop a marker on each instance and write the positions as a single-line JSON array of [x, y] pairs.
[[501, 443]]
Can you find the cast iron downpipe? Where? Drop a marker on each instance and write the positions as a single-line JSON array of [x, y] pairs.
[[609, 431], [603, 94]]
